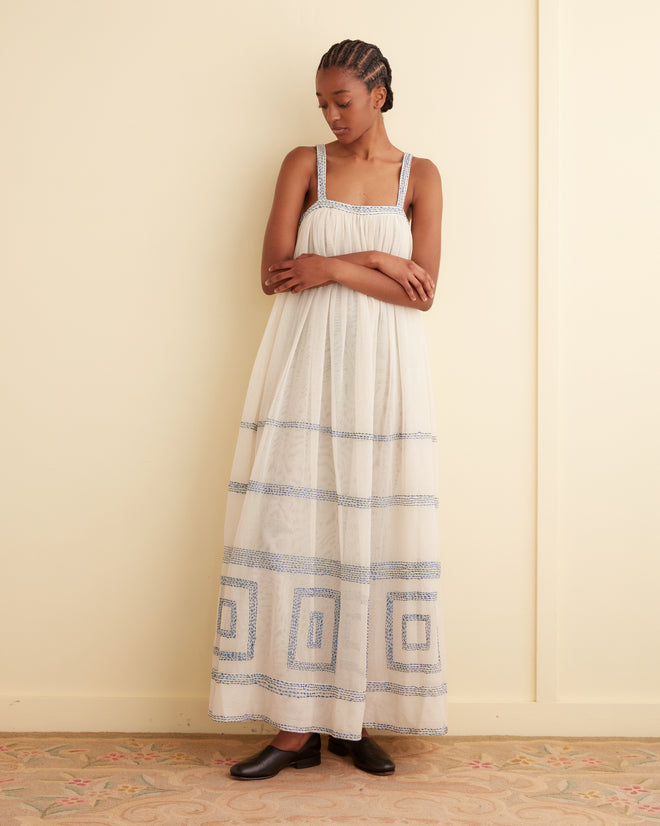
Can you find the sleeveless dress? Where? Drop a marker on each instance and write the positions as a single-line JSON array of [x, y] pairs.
[[329, 614]]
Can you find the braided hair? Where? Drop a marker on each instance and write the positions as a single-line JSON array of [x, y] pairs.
[[365, 61]]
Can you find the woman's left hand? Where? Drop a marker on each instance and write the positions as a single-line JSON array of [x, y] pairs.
[[297, 274]]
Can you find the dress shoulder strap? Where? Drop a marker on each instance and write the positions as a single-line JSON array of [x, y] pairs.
[[320, 171], [403, 179]]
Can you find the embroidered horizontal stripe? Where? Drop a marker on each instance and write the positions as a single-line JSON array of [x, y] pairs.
[[408, 690], [337, 434], [429, 732], [240, 718], [357, 209], [423, 500], [315, 566], [284, 689]]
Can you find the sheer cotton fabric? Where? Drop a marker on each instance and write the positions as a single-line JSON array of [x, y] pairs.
[[329, 615]]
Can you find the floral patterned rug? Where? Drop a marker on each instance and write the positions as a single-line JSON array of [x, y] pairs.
[[103, 780]]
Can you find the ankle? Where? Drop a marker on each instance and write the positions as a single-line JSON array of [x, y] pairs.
[[291, 740]]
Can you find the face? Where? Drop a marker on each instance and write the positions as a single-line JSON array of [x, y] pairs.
[[348, 107]]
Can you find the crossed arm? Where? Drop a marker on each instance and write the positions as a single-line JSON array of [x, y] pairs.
[[408, 282]]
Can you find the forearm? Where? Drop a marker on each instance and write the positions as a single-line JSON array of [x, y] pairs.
[[367, 278]]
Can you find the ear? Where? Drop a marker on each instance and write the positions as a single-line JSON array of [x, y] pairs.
[[378, 96]]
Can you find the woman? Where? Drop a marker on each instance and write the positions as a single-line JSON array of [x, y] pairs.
[[329, 611]]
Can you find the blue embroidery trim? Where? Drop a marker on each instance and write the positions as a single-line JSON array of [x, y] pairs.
[[358, 209], [337, 434], [397, 665], [423, 500], [315, 633], [427, 732], [286, 689], [240, 718], [293, 660], [315, 566], [223, 631], [225, 718], [251, 588], [313, 690], [416, 618], [408, 690]]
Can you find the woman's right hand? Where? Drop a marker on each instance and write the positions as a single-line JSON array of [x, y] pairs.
[[413, 278]]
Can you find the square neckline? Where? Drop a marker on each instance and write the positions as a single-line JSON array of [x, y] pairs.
[[360, 209]]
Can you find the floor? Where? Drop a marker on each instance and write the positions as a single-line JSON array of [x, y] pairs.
[[103, 780]]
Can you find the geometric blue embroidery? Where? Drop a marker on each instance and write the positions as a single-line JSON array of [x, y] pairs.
[[358, 209], [294, 424], [424, 500], [408, 690], [317, 566], [249, 633], [227, 606], [315, 633], [406, 619], [307, 690], [396, 664], [287, 689], [320, 601]]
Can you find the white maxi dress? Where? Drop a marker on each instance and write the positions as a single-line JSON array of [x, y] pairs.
[[329, 614]]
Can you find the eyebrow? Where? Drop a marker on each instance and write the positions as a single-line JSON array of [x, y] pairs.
[[338, 92]]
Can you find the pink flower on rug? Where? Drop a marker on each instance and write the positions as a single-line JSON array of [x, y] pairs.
[[633, 790], [5, 748], [555, 760], [101, 794], [70, 801], [645, 807], [78, 781], [621, 802], [592, 761], [480, 764], [146, 755], [223, 761], [115, 756]]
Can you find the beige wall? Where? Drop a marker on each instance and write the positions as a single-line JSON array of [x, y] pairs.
[[143, 143]]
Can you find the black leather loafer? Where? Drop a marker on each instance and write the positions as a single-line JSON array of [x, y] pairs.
[[271, 760], [367, 754]]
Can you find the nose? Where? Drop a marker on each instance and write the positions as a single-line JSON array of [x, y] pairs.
[[332, 114]]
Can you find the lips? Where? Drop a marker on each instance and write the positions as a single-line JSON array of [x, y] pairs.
[[339, 130]]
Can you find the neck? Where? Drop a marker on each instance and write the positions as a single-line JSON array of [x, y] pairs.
[[373, 143]]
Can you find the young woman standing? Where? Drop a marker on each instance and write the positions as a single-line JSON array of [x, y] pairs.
[[329, 614]]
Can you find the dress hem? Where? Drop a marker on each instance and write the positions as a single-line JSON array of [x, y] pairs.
[[341, 735]]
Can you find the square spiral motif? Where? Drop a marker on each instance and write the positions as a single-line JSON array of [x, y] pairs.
[[227, 616], [237, 619], [314, 631], [412, 642]]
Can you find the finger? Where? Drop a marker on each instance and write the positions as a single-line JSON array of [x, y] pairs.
[[284, 285], [407, 286], [277, 277], [282, 265], [421, 290]]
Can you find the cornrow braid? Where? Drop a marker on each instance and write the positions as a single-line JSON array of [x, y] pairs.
[[366, 62]]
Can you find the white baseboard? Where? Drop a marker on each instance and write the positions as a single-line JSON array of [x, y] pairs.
[[188, 715]]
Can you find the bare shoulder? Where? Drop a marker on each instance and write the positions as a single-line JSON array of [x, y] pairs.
[[301, 159], [424, 171], [425, 183]]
